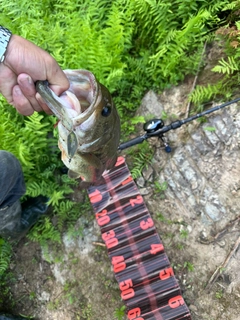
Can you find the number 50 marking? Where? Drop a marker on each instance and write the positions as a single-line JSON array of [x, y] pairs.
[[127, 290]]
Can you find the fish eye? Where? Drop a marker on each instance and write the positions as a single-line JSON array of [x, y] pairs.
[[106, 111]]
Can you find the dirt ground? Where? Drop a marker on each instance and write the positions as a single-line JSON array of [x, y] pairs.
[[197, 217]]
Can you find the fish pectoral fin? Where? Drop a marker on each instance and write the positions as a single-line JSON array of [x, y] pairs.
[[72, 144], [73, 174]]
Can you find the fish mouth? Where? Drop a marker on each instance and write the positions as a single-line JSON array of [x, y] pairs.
[[75, 105], [85, 88]]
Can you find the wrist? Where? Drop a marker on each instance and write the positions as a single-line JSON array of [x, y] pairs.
[[5, 36]]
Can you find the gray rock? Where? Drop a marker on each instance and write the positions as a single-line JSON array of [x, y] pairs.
[[148, 173], [145, 191], [150, 105], [204, 168], [140, 182], [45, 296]]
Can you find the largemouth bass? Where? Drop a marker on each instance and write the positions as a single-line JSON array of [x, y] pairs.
[[89, 126]]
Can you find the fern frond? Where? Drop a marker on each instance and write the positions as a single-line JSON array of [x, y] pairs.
[[233, 5], [141, 157], [5, 255], [44, 231], [206, 93], [228, 67]]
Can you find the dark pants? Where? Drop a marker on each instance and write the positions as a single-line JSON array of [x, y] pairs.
[[12, 187]]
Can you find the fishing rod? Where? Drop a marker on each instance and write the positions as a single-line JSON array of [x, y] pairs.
[[156, 127]]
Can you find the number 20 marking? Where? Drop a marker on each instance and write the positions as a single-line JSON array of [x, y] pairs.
[[102, 218]]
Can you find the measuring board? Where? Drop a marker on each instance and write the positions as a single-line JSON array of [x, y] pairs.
[[146, 279]]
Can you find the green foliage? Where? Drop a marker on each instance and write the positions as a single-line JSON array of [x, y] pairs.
[[6, 298], [129, 125], [27, 139], [131, 45], [140, 157], [229, 65], [160, 187], [202, 94], [210, 129], [189, 266], [43, 231], [219, 294], [119, 313], [31, 141], [5, 255], [184, 233]]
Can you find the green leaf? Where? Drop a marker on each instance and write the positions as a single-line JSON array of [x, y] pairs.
[[209, 128]]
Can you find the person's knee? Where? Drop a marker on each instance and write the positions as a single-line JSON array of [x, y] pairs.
[[9, 163], [12, 185]]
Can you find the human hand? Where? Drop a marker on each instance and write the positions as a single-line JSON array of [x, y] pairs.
[[24, 64]]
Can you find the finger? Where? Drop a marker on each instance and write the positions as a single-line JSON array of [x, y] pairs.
[[7, 81], [56, 77], [28, 89], [20, 102]]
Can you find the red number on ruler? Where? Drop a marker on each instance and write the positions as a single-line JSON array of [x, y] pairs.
[[117, 259], [118, 264], [132, 314], [155, 248], [100, 214], [119, 267], [146, 224], [127, 291], [108, 235], [95, 196], [102, 218], [166, 273], [176, 302], [124, 285], [127, 294], [129, 179], [137, 200], [111, 243], [120, 160]]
